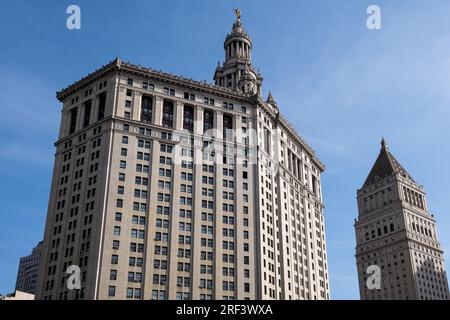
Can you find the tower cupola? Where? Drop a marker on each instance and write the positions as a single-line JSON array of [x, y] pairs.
[[237, 72]]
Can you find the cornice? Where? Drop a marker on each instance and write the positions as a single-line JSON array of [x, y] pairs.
[[279, 119], [118, 65]]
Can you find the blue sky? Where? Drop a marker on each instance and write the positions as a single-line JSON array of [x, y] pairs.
[[341, 85]]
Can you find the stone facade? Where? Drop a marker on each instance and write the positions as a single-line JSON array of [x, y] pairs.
[[170, 188], [27, 274], [396, 233]]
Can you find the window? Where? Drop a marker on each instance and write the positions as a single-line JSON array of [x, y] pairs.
[[209, 101], [227, 126], [167, 120], [148, 86], [101, 105], [113, 275], [73, 120], [227, 105], [146, 109], [114, 259], [111, 291], [137, 293], [189, 96], [188, 118], [129, 293], [208, 120], [169, 91], [87, 113]]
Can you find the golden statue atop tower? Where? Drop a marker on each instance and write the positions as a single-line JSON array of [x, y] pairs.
[[237, 12]]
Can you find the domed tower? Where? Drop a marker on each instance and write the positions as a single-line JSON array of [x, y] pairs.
[[237, 71]]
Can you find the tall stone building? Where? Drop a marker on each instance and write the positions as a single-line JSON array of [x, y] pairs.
[[396, 233], [169, 188], [27, 274]]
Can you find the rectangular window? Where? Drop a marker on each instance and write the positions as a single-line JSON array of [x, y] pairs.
[[189, 96], [111, 291], [101, 105], [87, 113], [73, 120], [188, 118], [167, 120], [208, 120], [227, 126], [168, 91], [146, 109]]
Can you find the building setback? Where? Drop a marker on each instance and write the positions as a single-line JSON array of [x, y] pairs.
[[396, 233], [169, 188], [27, 275]]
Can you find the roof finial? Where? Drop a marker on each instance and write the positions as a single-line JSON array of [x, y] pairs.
[[237, 12], [383, 143]]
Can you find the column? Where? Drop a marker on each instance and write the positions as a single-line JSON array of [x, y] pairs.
[[80, 117], [218, 124], [178, 113], [94, 110], [198, 119], [157, 111], [136, 106]]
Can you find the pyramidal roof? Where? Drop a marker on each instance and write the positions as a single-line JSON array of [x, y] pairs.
[[270, 98], [385, 165]]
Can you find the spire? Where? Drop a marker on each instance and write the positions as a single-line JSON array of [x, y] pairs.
[[383, 143], [270, 98], [385, 166]]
